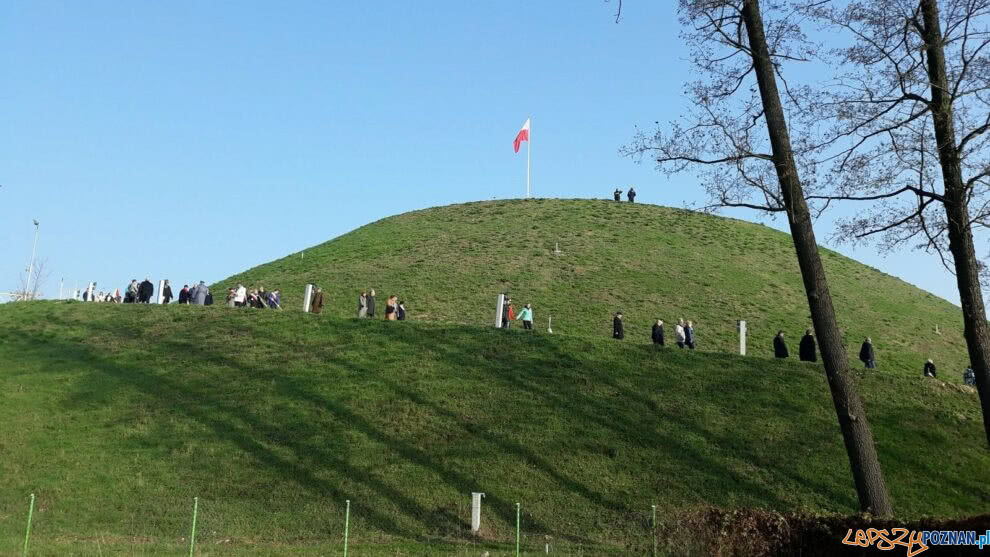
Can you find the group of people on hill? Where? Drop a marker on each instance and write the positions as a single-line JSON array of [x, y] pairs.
[[807, 348], [683, 332], [142, 293], [395, 310], [509, 315], [630, 195], [258, 298], [198, 295]]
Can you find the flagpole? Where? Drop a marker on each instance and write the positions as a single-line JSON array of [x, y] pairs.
[[529, 153]]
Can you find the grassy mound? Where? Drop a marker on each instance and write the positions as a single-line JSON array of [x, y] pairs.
[[449, 263], [117, 416]]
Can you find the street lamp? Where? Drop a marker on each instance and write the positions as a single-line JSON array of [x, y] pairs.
[[27, 292]]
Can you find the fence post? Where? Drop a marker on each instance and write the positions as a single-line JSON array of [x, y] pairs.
[[27, 534]]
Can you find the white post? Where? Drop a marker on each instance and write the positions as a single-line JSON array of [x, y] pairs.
[[498, 310], [89, 292], [529, 153], [476, 512], [161, 288], [307, 298], [31, 267], [741, 324], [549, 323], [60, 288]]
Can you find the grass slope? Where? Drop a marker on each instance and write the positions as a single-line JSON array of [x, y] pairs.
[[449, 263], [117, 416]]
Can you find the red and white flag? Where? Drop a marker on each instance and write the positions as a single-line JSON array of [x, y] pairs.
[[523, 135]]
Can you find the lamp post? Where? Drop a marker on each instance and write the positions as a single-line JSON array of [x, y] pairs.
[[27, 293]]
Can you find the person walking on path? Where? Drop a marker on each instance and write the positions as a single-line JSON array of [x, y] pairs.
[[527, 317], [371, 304], [617, 194], [391, 305], [689, 335], [657, 334], [316, 304], [679, 333], [167, 293], [866, 354], [618, 331], [363, 305], [401, 311], [929, 370], [631, 195], [806, 350], [779, 346]]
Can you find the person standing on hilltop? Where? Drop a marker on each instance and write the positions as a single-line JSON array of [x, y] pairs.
[[527, 317], [657, 334], [316, 304], [145, 291], [167, 293], [617, 194], [618, 331], [866, 354], [199, 294], [371, 304], [679, 333], [631, 195], [806, 351], [689, 334], [363, 305], [779, 346], [240, 296], [184, 295], [131, 295], [390, 306]]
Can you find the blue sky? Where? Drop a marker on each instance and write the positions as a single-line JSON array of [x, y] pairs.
[[192, 140]]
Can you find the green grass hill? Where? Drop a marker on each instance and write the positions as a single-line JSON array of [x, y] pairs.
[[115, 417], [449, 264]]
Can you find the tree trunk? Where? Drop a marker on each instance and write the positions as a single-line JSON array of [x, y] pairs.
[[870, 485], [957, 210]]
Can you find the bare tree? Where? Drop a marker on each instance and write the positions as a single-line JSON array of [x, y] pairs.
[[31, 284], [740, 140], [909, 113]]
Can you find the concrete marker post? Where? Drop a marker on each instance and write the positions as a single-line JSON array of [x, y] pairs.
[[741, 325], [307, 298], [476, 512], [517, 529], [654, 530], [161, 292]]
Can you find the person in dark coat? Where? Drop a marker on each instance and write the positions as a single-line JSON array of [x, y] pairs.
[[631, 195], [779, 346], [145, 290], [969, 377], [184, 294], [689, 335], [929, 370], [167, 293], [401, 311], [617, 330], [866, 354], [807, 349], [507, 313], [316, 305], [371, 304], [209, 298], [658, 333], [617, 194]]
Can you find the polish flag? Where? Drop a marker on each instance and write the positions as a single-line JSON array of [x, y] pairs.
[[523, 135]]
